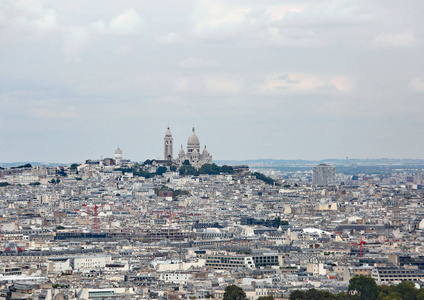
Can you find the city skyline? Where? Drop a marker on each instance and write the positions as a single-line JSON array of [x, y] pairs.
[[282, 80]]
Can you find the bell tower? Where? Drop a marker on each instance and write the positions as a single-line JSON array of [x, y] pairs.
[[168, 145]]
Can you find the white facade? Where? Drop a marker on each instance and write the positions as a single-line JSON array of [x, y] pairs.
[[118, 156], [60, 265], [87, 263], [175, 277], [193, 155]]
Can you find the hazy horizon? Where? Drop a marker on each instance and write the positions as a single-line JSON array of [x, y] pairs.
[[65, 163]]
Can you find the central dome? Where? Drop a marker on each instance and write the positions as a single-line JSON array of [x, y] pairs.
[[193, 140]]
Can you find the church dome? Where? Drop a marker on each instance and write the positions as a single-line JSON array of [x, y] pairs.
[[205, 151], [181, 153], [118, 151], [193, 140]]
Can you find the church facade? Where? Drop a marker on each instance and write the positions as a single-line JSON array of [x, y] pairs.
[[193, 154]]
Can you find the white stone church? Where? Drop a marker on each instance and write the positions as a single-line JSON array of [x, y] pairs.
[[193, 154]]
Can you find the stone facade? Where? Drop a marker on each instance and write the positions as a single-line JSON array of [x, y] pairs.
[[193, 154]]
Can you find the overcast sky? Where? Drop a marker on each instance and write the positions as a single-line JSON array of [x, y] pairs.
[[258, 79]]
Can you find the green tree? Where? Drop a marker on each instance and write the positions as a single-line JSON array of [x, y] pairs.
[[406, 290], [210, 169], [24, 166], [364, 287], [297, 295], [227, 169], [233, 292], [264, 178], [161, 170], [325, 295], [342, 296], [173, 168], [266, 298], [143, 173], [392, 295], [186, 163], [74, 166], [188, 170], [313, 294], [420, 294]]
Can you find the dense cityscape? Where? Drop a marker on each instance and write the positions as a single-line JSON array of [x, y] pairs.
[[211, 149], [186, 228]]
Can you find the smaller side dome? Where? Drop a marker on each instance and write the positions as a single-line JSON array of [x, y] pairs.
[[205, 151], [181, 151]]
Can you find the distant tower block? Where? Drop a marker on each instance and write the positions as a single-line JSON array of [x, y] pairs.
[[118, 156], [396, 220], [323, 175], [168, 145]]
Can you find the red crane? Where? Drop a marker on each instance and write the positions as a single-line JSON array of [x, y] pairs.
[[95, 216], [361, 246]]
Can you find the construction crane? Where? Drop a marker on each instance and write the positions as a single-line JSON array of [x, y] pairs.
[[88, 216], [95, 218], [168, 213], [361, 246]]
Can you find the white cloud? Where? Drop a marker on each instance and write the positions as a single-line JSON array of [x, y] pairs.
[[291, 82], [98, 27], [416, 85], [278, 12], [47, 21], [296, 82], [127, 23], [402, 40], [181, 84], [23, 18], [195, 62], [75, 41], [220, 84], [77, 38], [168, 38], [294, 37], [341, 83], [213, 15]]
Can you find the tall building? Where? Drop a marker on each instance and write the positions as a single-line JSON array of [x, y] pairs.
[[323, 175], [193, 154], [168, 145]]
